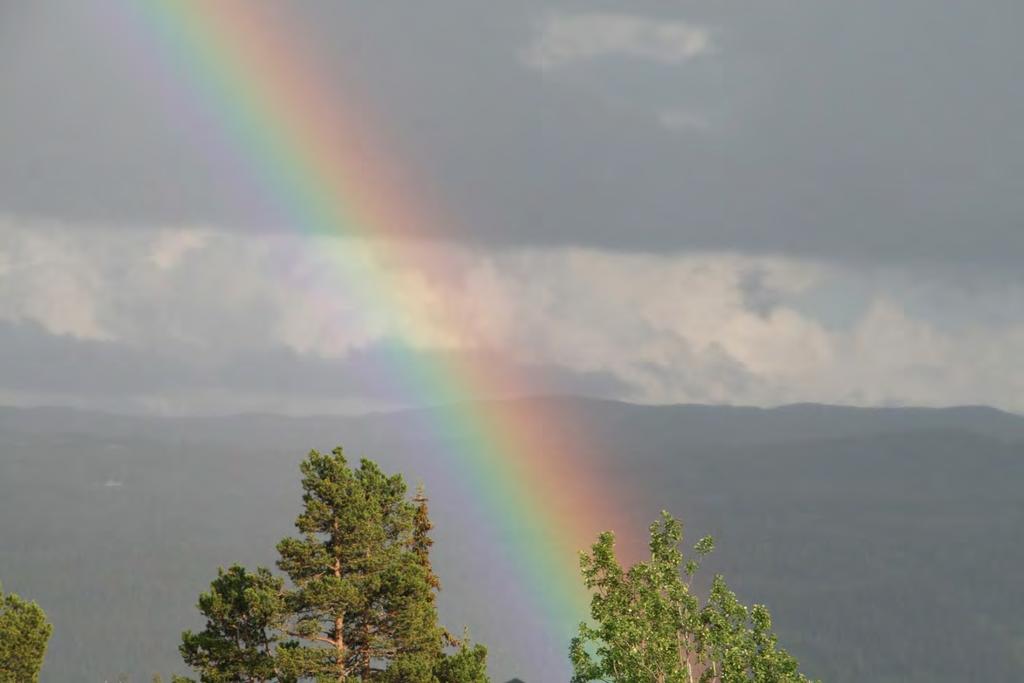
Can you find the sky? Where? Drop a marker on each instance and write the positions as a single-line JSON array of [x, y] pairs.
[[660, 202]]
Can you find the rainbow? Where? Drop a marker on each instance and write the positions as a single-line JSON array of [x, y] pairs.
[[317, 157]]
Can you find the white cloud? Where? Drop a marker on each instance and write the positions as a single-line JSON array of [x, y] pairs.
[[171, 245], [700, 327], [51, 278], [567, 38]]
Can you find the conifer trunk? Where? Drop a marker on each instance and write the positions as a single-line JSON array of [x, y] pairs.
[[339, 619], [339, 623]]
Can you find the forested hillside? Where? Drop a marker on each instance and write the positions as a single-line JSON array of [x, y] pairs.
[[887, 543]]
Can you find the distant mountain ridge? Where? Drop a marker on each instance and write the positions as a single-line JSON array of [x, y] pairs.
[[720, 423], [886, 541]]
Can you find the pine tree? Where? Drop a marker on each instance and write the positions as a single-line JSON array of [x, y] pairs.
[[466, 665], [362, 606], [242, 611], [363, 595], [24, 633], [421, 540]]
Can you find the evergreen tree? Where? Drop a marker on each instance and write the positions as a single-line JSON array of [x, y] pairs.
[[24, 633], [242, 611], [363, 591], [466, 665], [362, 605], [649, 626], [421, 545], [421, 540]]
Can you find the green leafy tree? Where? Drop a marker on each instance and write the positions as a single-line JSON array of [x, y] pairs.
[[24, 633], [649, 626], [243, 610]]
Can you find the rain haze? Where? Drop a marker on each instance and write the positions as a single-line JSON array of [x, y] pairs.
[[649, 203]]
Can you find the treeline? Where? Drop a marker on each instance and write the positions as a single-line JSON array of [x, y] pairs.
[[355, 601]]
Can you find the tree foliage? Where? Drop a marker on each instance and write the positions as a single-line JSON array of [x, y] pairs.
[[360, 604], [24, 633], [243, 611], [362, 587], [650, 627]]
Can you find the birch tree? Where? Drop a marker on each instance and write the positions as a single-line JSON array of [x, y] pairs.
[[648, 625]]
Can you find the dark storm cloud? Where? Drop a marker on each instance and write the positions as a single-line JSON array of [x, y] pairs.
[[758, 296], [870, 131]]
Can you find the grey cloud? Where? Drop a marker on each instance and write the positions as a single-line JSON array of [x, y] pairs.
[[40, 367], [258, 322], [758, 295], [869, 132]]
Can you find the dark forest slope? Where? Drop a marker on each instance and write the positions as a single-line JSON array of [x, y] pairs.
[[888, 542]]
